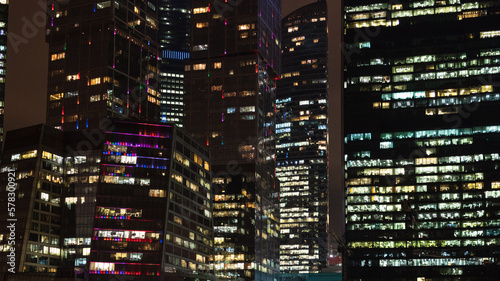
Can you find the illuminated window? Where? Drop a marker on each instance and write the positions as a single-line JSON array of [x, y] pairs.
[[202, 47], [178, 220], [244, 27], [199, 66], [73, 77], [300, 38], [201, 24], [58, 56], [95, 81], [56, 96], [247, 109], [157, 193], [104, 266], [201, 10], [94, 98]]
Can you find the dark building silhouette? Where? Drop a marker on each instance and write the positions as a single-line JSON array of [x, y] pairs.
[[4, 12], [174, 18], [301, 146], [230, 106], [422, 134], [103, 62], [33, 164]]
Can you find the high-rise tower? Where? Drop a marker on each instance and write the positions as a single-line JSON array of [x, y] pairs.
[[174, 42], [422, 134], [301, 130], [230, 106], [137, 203], [103, 62]]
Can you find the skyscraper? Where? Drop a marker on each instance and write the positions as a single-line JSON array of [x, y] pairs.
[[32, 168], [142, 203], [301, 132], [230, 106], [174, 18], [131, 201], [4, 12], [103, 62], [422, 134]]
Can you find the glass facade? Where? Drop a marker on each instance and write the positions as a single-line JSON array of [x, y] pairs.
[[142, 204], [33, 163], [136, 204], [103, 62], [421, 135], [230, 106], [174, 17], [301, 147]]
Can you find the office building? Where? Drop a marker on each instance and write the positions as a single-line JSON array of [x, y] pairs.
[[422, 134], [301, 146], [142, 203], [33, 162], [133, 200], [230, 106], [103, 62], [174, 18]]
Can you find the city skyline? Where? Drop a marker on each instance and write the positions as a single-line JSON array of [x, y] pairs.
[[26, 100], [30, 48], [401, 134]]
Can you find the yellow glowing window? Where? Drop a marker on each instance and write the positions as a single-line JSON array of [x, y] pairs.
[[244, 27], [495, 185], [217, 65], [177, 178], [298, 38], [426, 161], [199, 66], [95, 81], [157, 193], [177, 220], [95, 98], [58, 56], [57, 96], [201, 10], [73, 77], [201, 24], [489, 34]]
